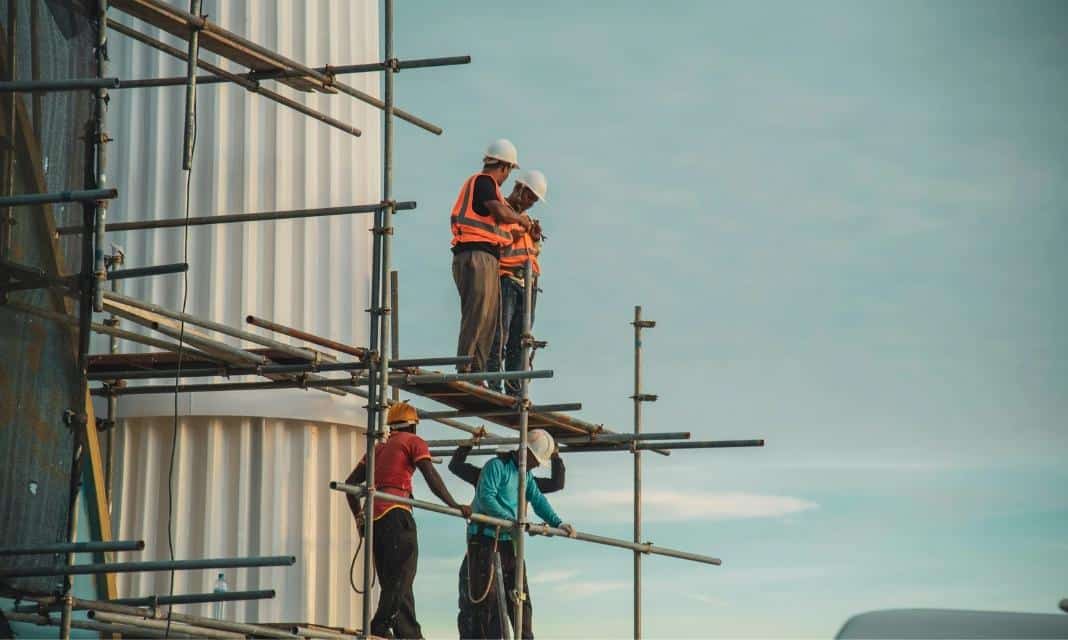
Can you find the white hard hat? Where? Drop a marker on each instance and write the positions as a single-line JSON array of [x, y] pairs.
[[504, 151], [535, 181], [541, 444]]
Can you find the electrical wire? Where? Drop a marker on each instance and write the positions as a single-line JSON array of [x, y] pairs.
[[178, 373]]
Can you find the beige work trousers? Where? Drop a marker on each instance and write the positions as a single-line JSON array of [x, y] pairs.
[[478, 283]]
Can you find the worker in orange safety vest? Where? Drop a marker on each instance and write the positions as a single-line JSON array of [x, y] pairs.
[[530, 187], [479, 221]]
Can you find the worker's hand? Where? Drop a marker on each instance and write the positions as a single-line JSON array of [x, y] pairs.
[[535, 230], [569, 530], [525, 222], [466, 510]]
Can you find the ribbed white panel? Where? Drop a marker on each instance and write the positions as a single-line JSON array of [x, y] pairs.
[[244, 487], [250, 485], [253, 155]]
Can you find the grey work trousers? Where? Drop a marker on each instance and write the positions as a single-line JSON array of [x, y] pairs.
[[478, 283]]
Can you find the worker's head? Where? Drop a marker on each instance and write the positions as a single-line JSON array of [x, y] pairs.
[[530, 187], [540, 447], [499, 160], [402, 417]]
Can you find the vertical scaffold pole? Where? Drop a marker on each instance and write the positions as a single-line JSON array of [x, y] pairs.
[[377, 393], [638, 398], [101, 140], [524, 405]]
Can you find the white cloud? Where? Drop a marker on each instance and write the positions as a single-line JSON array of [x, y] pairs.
[[592, 588], [675, 506], [552, 575]]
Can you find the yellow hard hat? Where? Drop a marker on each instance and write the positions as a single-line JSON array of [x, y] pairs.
[[402, 412]]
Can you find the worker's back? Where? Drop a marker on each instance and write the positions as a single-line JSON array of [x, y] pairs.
[[395, 461]]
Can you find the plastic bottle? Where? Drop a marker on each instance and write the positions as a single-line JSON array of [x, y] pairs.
[[220, 587]]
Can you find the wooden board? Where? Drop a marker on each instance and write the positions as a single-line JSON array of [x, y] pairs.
[[214, 38]]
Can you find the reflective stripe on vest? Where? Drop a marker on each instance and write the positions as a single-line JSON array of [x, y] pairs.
[[468, 225], [516, 254]]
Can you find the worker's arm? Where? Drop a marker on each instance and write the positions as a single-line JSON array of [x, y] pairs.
[[555, 482], [461, 468], [489, 491], [541, 505], [503, 213], [437, 485], [358, 476]]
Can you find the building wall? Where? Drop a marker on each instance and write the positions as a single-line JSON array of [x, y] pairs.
[[252, 468], [244, 487], [253, 155]]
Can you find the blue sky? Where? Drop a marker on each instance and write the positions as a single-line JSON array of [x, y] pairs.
[[848, 220]]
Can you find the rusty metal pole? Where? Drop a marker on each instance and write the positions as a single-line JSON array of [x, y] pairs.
[[638, 398], [524, 406], [101, 141], [191, 90], [7, 221], [394, 312]]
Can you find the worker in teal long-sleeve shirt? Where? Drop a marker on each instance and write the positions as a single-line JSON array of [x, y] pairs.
[[498, 496]]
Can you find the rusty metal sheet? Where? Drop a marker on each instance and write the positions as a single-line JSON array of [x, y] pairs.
[[39, 379]]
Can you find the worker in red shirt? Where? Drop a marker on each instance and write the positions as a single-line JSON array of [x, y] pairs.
[[396, 544]]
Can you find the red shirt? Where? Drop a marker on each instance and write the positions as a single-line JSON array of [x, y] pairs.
[[395, 461]]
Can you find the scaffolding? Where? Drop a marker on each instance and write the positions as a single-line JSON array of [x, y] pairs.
[[374, 372]]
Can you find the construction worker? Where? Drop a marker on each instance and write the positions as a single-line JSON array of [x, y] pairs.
[[530, 187], [469, 473], [396, 544], [478, 236], [498, 496]]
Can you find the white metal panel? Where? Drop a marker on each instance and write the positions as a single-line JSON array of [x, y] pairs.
[[253, 155], [244, 487]]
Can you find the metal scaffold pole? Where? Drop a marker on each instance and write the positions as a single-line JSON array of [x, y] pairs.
[[638, 398], [520, 593], [100, 136]]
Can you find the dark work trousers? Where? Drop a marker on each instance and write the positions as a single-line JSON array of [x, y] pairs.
[[508, 340], [478, 283], [396, 551], [485, 620], [465, 619]]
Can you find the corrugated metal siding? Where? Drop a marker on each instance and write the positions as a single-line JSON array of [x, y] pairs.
[[250, 485], [244, 487], [253, 155]]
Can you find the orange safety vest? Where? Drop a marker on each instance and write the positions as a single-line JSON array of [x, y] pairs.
[[468, 225], [515, 255]]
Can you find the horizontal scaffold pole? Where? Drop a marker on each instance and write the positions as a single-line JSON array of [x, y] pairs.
[[152, 601], [255, 76], [91, 625], [328, 82], [627, 447], [149, 565], [591, 439], [138, 622], [72, 84], [88, 195], [255, 630], [197, 598], [269, 369], [538, 529], [168, 223], [226, 76], [106, 330], [74, 547], [140, 272], [340, 383], [475, 413]]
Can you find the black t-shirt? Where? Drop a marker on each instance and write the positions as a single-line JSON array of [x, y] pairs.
[[485, 189]]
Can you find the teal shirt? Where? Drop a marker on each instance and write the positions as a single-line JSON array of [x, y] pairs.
[[498, 495]]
